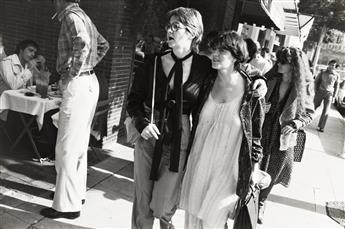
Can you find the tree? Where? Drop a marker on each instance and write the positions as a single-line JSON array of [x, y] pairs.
[[329, 14]]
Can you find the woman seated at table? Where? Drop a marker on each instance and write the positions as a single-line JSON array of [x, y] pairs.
[[17, 71]]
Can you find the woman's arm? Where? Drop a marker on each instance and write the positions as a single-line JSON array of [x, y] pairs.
[[258, 117], [317, 81], [304, 118], [138, 94]]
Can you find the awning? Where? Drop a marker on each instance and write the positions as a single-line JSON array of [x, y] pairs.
[[297, 25], [262, 13]]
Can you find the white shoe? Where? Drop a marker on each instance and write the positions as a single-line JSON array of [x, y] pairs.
[[45, 160]]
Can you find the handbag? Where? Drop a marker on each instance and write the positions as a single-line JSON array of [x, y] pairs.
[[246, 211], [300, 144], [132, 133]]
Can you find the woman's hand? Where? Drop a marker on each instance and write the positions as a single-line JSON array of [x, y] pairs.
[[260, 88], [287, 129], [255, 178], [150, 131]]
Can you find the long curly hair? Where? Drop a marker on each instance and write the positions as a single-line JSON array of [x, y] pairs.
[[301, 75]]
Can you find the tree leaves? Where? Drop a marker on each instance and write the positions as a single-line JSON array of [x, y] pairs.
[[328, 12]]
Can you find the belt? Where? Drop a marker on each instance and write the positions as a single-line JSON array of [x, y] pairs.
[[86, 73]]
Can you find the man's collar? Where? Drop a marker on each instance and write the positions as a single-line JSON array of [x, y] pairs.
[[15, 59], [63, 11]]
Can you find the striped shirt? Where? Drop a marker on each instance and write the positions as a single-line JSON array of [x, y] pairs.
[[80, 45]]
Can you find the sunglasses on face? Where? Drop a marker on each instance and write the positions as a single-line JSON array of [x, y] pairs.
[[174, 27]]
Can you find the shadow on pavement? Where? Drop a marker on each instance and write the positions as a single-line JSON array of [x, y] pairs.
[[21, 216], [330, 145], [28, 189], [297, 203], [336, 210]]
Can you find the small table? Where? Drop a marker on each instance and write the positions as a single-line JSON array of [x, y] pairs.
[[16, 100]]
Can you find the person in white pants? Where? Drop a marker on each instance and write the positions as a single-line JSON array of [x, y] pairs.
[[80, 48]]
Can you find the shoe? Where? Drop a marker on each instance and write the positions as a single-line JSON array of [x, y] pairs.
[[45, 160], [320, 129], [261, 212], [51, 196], [53, 214]]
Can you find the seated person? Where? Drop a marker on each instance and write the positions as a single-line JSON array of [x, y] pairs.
[[17, 71]]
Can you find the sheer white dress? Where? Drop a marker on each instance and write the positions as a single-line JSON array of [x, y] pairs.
[[208, 192]]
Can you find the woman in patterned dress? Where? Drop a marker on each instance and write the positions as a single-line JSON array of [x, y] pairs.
[[226, 148], [290, 102]]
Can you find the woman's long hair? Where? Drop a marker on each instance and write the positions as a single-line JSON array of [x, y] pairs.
[[301, 75]]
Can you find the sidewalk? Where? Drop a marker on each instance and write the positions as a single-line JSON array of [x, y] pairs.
[[26, 185]]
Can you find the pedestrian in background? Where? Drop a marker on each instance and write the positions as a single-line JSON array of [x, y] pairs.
[[226, 147], [80, 48], [265, 53], [255, 58], [326, 89], [290, 102]]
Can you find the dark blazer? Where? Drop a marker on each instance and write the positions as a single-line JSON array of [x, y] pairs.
[[140, 96], [140, 99], [252, 117]]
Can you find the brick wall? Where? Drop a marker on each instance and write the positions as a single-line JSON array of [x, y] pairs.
[[23, 19], [118, 21]]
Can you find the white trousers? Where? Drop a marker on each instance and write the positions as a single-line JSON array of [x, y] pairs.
[[77, 109]]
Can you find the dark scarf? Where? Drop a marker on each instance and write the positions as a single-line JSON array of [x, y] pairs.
[[175, 109]]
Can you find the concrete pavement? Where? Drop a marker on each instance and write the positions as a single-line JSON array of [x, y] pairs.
[[25, 186]]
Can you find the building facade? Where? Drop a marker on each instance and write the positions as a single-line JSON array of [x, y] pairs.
[[120, 22]]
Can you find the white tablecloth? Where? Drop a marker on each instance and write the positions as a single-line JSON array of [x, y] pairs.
[[16, 100]]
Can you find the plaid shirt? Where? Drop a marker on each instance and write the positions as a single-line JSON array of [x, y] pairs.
[[80, 45]]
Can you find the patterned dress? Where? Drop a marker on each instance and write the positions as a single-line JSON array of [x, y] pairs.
[[209, 186], [276, 162]]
